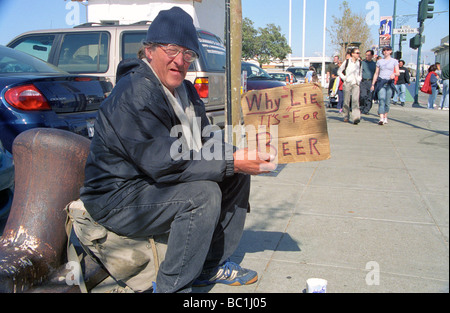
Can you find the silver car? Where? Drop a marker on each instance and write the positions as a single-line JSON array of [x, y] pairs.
[[97, 49]]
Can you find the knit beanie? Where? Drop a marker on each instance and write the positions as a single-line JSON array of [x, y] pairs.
[[174, 26]]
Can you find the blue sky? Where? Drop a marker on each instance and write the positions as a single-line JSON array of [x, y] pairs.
[[18, 16]]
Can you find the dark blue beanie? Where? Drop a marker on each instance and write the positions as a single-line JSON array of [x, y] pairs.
[[174, 26]]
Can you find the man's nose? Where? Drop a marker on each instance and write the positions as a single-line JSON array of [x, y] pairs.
[[179, 59]]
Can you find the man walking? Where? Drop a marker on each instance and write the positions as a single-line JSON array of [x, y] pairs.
[[368, 70], [400, 87]]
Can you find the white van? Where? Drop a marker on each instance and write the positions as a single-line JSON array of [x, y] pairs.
[[97, 49]]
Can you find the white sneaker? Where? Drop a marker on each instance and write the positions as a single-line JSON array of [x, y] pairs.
[[385, 121], [445, 109]]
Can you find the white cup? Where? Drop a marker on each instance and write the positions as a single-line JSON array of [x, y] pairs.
[[316, 285]]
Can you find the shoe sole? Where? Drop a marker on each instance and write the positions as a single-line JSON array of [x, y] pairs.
[[225, 282]]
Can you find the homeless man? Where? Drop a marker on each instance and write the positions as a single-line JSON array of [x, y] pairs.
[[137, 185]]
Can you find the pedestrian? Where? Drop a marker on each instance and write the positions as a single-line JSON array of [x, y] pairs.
[[142, 179], [430, 86], [368, 70], [400, 86], [444, 100], [309, 74], [383, 83], [351, 74], [332, 69], [332, 72]]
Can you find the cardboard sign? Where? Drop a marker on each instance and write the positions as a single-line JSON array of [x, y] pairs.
[[289, 122]]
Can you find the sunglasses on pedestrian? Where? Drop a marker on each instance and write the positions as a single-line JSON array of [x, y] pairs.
[[173, 50]]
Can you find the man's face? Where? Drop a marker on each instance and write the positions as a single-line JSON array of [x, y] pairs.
[[171, 71], [336, 59], [369, 56]]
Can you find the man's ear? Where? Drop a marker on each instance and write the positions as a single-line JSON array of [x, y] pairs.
[[149, 53]]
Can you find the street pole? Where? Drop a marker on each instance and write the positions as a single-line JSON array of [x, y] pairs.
[[419, 50], [303, 40], [290, 30], [323, 42], [393, 24]]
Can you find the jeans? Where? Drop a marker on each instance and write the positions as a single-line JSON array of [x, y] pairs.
[[444, 101], [365, 96], [384, 99], [340, 100], [432, 97], [205, 220], [400, 93]]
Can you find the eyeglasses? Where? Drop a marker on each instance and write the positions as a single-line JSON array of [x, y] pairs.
[[356, 52], [173, 50]]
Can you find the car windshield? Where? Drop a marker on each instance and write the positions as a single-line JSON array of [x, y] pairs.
[[279, 76], [16, 62], [254, 72], [298, 72]]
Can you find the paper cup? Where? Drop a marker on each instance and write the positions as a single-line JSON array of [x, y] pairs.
[[316, 285]]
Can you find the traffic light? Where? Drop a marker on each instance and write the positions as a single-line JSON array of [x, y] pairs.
[[398, 55], [425, 7], [414, 42], [402, 38]]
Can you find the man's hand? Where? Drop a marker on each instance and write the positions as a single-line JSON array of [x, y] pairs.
[[252, 162]]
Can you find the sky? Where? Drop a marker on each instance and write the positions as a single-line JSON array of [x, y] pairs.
[[18, 16]]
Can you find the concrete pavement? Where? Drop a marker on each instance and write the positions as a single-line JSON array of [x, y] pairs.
[[373, 218]]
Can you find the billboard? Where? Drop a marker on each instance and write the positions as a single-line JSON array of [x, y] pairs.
[[385, 31]]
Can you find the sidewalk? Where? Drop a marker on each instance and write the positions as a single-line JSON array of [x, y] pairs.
[[373, 218]]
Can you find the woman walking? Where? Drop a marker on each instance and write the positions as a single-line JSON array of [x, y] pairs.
[[383, 83], [432, 79], [351, 74]]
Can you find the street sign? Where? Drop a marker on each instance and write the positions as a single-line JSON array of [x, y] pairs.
[[405, 30]]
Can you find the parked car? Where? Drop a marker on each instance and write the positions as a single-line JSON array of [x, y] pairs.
[[6, 183], [34, 93], [299, 73], [97, 49], [286, 77], [257, 78]]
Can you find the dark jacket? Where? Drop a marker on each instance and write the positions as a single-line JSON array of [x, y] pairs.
[[132, 141], [404, 76], [380, 84]]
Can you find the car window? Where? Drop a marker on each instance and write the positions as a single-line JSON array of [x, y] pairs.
[[212, 53], [255, 72], [84, 52], [36, 45], [299, 72], [131, 43], [14, 62]]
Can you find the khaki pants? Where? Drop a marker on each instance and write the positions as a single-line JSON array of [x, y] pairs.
[[351, 91], [134, 262]]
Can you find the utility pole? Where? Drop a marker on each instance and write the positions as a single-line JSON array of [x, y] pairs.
[[323, 41], [393, 24], [290, 30], [304, 26]]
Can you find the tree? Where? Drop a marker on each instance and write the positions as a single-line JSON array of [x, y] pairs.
[[249, 34], [265, 44], [351, 27]]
